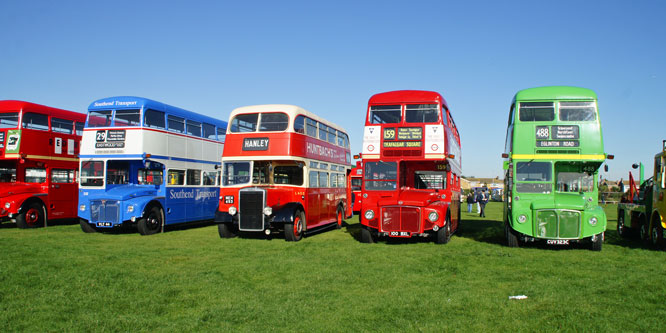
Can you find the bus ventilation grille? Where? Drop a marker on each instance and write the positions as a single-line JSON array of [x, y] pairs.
[[556, 151], [400, 218], [104, 211], [409, 152], [250, 210]]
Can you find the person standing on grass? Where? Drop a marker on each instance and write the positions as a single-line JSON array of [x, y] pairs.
[[470, 201], [482, 202], [477, 199]]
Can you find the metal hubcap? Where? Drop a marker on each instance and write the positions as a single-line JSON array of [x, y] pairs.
[[339, 218], [32, 216], [297, 227]]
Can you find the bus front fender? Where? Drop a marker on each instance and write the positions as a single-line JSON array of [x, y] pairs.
[[286, 213]]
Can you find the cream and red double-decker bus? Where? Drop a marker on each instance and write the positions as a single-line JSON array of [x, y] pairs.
[[39, 155], [411, 167], [283, 168]]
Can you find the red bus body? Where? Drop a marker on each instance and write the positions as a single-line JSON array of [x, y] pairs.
[[273, 173], [356, 182], [38, 161], [411, 167]]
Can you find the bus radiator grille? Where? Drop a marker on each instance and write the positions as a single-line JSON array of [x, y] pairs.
[[557, 224], [401, 219], [250, 208], [104, 211]]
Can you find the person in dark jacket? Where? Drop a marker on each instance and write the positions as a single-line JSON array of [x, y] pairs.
[[482, 198], [470, 201]]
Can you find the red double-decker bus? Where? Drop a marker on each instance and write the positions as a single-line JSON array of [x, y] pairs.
[[39, 148], [283, 168], [411, 167]]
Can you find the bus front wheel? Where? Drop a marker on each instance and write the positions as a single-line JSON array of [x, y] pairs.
[[657, 233], [339, 219], [31, 217], [367, 235], [151, 223], [511, 237], [597, 242], [227, 230], [86, 227], [443, 234], [621, 228], [293, 232]]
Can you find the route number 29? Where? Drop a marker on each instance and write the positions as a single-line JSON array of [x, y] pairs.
[[101, 136]]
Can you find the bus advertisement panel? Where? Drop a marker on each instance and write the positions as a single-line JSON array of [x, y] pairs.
[[284, 169], [411, 167], [148, 164], [39, 148], [554, 148]]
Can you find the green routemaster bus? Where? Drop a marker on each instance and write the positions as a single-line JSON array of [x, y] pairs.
[[554, 149]]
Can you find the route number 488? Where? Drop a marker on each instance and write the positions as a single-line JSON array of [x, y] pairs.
[[542, 132]]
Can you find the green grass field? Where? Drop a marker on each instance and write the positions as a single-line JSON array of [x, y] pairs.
[[60, 279]]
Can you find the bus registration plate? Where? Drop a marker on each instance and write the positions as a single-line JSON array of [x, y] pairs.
[[399, 234], [557, 242]]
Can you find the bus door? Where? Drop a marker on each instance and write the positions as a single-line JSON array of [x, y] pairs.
[[313, 206], [62, 188]]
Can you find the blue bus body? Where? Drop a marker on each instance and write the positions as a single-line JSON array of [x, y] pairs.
[[147, 164]]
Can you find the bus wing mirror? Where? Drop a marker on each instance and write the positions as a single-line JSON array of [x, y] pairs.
[[505, 155], [635, 166], [606, 167], [506, 165]]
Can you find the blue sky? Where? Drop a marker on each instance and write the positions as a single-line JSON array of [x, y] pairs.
[[213, 56]]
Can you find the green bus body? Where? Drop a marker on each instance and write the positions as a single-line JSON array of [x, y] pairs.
[[553, 152]]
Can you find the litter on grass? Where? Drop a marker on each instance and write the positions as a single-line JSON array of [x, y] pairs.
[[518, 297]]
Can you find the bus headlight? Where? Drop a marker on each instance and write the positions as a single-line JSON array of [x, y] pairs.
[[522, 218], [268, 211], [82, 208], [232, 210], [7, 205], [369, 214], [433, 216], [130, 208], [593, 221]]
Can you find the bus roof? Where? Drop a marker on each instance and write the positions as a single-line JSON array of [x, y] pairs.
[[133, 102], [407, 96], [13, 105], [555, 93], [289, 109]]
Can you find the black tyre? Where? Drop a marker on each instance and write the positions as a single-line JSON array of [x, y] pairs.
[[443, 234], [340, 218], [656, 234], [151, 223], [367, 235], [87, 227], [644, 231], [511, 237], [597, 242], [293, 232], [32, 216], [227, 230], [621, 228]]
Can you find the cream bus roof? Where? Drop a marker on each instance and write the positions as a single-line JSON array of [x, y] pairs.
[[291, 110]]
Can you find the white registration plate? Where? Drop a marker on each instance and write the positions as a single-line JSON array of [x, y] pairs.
[[557, 242]]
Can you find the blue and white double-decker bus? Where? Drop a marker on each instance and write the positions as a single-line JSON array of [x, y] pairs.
[[147, 164]]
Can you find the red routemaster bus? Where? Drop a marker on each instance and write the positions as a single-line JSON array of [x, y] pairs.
[[411, 167], [283, 168], [39, 148]]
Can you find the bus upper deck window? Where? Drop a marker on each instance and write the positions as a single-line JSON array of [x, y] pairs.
[[385, 114], [35, 121], [221, 134], [154, 119], [99, 118], [194, 128], [208, 131], [244, 123], [79, 128], [62, 125], [299, 124], [422, 113], [578, 111], [311, 127], [323, 132], [9, 120], [537, 111], [273, 122], [176, 124], [127, 118]]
